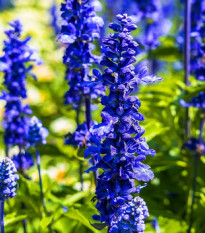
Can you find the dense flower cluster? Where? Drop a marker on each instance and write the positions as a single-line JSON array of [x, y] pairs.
[[15, 64], [36, 132], [8, 178], [119, 137], [131, 217], [80, 28]]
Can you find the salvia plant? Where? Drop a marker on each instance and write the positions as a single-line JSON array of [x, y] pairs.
[[195, 66], [16, 66], [8, 183], [119, 146], [80, 28], [20, 130], [109, 72]]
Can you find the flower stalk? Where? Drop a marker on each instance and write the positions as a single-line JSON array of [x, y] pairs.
[[187, 47], [38, 162], [2, 217], [81, 27]]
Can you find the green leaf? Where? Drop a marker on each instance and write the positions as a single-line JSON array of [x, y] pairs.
[[46, 221], [77, 215], [99, 226], [14, 218]]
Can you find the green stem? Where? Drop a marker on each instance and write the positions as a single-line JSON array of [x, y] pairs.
[[38, 161], [2, 216]]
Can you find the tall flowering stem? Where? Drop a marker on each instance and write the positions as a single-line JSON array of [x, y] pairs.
[[198, 70], [151, 16], [16, 66], [187, 54], [8, 183], [37, 135], [119, 146], [80, 28], [2, 217]]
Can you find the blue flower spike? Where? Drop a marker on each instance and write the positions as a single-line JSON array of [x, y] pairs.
[[8, 183], [120, 146]]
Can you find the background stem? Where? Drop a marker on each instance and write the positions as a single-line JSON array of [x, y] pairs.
[[88, 120], [21, 170], [80, 162], [2, 216], [38, 161], [196, 164], [187, 27]]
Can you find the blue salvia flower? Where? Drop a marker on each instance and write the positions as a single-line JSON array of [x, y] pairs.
[[15, 120], [36, 132], [14, 63], [80, 28], [119, 137], [197, 35], [37, 135], [8, 178], [16, 66]]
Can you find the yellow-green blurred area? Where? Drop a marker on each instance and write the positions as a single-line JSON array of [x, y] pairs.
[[168, 196]]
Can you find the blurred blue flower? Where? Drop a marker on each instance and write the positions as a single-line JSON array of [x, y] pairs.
[[16, 61], [80, 28], [197, 101], [193, 144], [36, 132], [15, 120], [8, 179], [23, 160], [16, 66]]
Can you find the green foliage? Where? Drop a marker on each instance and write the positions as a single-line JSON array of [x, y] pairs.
[[69, 209]]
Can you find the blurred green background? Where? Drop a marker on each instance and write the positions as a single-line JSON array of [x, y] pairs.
[[168, 195]]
